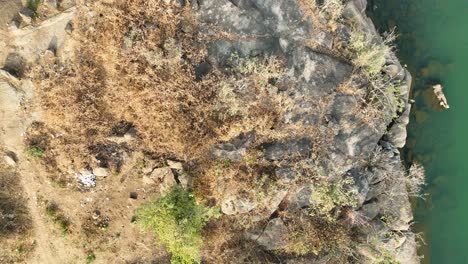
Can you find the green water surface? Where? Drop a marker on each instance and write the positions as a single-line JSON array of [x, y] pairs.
[[433, 42]]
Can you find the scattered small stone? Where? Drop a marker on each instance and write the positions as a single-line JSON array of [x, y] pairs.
[[285, 174], [235, 148], [287, 150], [175, 165], [237, 205], [184, 180], [24, 20], [85, 171], [147, 180], [147, 170], [273, 235], [101, 172], [323, 39], [96, 214], [165, 177], [9, 160], [133, 195], [65, 4], [134, 219]]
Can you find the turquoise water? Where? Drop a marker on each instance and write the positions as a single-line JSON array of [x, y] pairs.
[[433, 43]]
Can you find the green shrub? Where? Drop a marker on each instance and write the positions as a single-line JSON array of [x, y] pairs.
[[90, 257], [33, 5], [36, 152], [387, 258], [370, 54], [55, 213], [177, 221], [328, 196]]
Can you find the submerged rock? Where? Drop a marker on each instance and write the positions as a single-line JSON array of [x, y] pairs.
[[438, 91]]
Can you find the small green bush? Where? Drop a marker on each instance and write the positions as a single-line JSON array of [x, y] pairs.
[[177, 220], [370, 54], [36, 152], [55, 213], [328, 196], [90, 257], [33, 5]]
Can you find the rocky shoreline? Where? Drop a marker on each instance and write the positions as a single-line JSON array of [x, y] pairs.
[[313, 128]]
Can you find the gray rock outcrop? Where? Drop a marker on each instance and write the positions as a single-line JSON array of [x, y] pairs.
[[264, 28]]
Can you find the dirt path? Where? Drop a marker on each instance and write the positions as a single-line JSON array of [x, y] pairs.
[[51, 246]]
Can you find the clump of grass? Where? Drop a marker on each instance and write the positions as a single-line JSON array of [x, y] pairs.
[[33, 5], [334, 8], [328, 198], [90, 257], [14, 215], [369, 53], [15, 221], [263, 70], [315, 235], [387, 259], [36, 152], [251, 84], [416, 179], [55, 213], [177, 220]]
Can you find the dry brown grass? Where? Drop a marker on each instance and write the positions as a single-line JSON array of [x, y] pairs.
[[148, 84], [15, 222], [225, 243], [134, 64], [14, 217], [317, 236]]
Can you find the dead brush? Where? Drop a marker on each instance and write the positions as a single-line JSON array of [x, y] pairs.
[[314, 235], [135, 64], [150, 83], [353, 218], [14, 215], [415, 180]]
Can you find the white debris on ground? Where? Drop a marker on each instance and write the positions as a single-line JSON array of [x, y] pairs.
[[87, 180]]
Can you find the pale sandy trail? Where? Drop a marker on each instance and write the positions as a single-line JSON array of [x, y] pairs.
[[50, 245]]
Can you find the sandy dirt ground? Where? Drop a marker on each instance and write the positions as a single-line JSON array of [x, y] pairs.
[[118, 241], [8, 9]]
